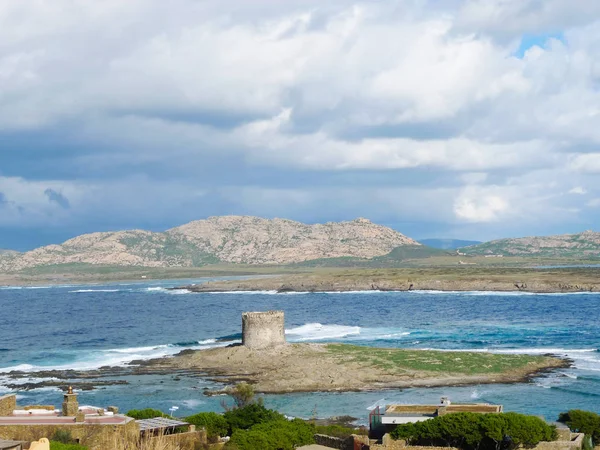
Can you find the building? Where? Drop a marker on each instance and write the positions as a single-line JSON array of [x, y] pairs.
[[397, 414], [87, 425]]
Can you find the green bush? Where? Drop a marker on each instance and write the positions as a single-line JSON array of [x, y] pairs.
[[252, 414], [477, 431], [582, 422], [62, 436], [215, 424], [280, 434], [339, 431], [54, 445], [148, 413]]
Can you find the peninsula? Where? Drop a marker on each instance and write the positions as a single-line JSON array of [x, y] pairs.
[[340, 367], [273, 366]]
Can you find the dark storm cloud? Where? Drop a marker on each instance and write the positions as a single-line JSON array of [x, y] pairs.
[[58, 198]]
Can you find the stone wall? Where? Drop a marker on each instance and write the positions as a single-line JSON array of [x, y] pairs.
[[262, 330], [350, 443], [8, 403], [573, 442], [96, 437]]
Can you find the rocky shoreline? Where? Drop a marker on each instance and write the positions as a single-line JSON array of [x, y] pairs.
[[309, 284], [309, 368]]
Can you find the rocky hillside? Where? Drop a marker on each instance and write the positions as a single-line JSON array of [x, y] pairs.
[[580, 246], [231, 239]]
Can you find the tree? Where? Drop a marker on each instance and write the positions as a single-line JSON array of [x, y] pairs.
[[250, 415], [147, 413], [471, 431], [242, 394], [215, 424], [582, 422], [280, 434]]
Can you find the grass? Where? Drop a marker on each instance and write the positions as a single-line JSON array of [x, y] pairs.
[[467, 363]]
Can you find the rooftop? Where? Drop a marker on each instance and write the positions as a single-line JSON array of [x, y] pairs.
[[55, 417], [426, 410]]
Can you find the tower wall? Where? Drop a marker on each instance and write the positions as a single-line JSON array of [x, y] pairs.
[[263, 329]]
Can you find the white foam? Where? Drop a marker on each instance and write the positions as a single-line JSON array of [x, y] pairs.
[[81, 291], [247, 292], [317, 331], [90, 360], [499, 293]]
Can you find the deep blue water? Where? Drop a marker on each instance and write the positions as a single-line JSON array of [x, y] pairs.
[[90, 326]]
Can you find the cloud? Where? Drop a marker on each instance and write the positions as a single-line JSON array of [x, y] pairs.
[[58, 198], [301, 109], [480, 205], [578, 190]]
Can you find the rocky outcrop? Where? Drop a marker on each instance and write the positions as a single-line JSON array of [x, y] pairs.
[[232, 239], [253, 240], [579, 246]]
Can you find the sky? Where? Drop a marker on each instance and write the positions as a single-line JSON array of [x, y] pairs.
[[469, 119]]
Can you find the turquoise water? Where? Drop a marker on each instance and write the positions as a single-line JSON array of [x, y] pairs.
[[85, 327]]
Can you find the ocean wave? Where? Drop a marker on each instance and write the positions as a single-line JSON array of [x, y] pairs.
[[318, 331], [82, 291], [167, 291], [246, 292], [498, 293], [91, 360]]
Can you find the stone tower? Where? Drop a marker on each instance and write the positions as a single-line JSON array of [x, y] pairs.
[[262, 330], [70, 406]]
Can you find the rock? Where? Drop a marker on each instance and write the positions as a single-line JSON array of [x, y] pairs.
[[232, 239]]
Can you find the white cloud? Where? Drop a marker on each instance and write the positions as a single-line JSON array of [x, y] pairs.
[[578, 190], [587, 163], [142, 90], [477, 204]]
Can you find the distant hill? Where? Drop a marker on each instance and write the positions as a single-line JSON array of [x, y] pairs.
[[447, 244], [230, 239], [8, 252], [399, 254], [579, 246]]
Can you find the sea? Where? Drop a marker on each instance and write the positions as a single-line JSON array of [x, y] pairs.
[[87, 327]]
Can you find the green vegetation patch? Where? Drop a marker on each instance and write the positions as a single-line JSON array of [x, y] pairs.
[[467, 363], [470, 431], [215, 424], [60, 446], [147, 413]]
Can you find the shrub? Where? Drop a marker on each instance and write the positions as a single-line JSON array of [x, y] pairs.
[[54, 445], [339, 431], [477, 431], [63, 437], [582, 422], [252, 414], [242, 393], [148, 413], [273, 435], [215, 424]]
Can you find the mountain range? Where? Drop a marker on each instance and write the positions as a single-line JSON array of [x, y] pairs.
[[228, 239], [580, 246], [256, 241]]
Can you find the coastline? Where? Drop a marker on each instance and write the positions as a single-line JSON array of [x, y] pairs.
[[338, 368], [311, 367], [361, 282]]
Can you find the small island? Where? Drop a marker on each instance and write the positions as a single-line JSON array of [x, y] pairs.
[[274, 366]]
